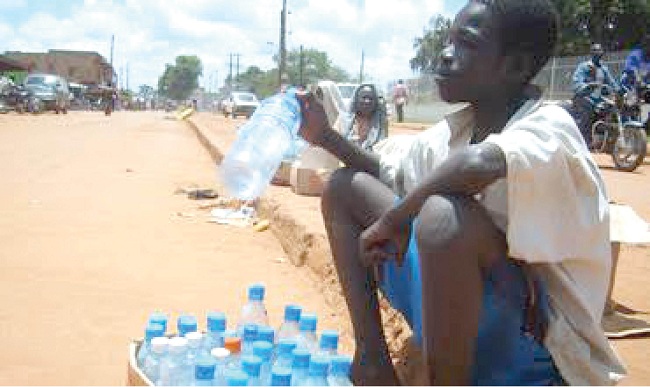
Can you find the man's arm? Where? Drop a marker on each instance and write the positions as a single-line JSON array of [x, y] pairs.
[[349, 153]]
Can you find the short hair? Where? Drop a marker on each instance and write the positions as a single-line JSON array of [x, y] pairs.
[[526, 26]]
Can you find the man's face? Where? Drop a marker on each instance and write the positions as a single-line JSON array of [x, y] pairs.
[[366, 100], [469, 67]]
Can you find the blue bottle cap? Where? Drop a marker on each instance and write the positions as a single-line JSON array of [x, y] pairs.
[[329, 339], [256, 292], [286, 346], [300, 358], [153, 330], [236, 377], [281, 376], [251, 364], [308, 322], [216, 321], [318, 366], [204, 369], [292, 313], [159, 318], [340, 365], [250, 332], [263, 349], [265, 333], [186, 323]]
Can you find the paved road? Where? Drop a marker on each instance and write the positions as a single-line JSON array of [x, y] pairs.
[[94, 238]]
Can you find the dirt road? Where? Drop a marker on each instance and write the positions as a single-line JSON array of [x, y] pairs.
[[94, 238]]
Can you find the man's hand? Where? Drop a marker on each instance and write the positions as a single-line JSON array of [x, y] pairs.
[[385, 239], [314, 123]]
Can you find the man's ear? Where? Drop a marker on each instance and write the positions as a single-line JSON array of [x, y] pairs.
[[518, 67]]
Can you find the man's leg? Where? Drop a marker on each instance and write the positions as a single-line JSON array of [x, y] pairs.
[[457, 243], [351, 202], [610, 305]]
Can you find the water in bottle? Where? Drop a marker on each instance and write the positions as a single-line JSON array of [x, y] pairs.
[[174, 369], [204, 372], [300, 366], [249, 336], [152, 330], [329, 343], [236, 377], [318, 367], [261, 145], [252, 366], [254, 310], [221, 356], [281, 376], [307, 338], [289, 327], [284, 353], [233, 344], [264, 350], [265, 333], [151, 363], [339, 374], [214, 337], [195, 347], [186, 323]]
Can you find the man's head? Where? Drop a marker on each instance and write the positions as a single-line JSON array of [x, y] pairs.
[[597, 53], [365, 99], [496, 46]]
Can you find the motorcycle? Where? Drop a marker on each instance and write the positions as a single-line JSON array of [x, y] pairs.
[[617, 131]]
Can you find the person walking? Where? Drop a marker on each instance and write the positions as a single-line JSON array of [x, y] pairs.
[[400, 99]]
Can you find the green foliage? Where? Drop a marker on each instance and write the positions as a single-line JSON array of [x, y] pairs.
[[429, 46], [181, 79]]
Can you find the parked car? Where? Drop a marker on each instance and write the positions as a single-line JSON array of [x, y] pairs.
[[51, 91], [240, 103]]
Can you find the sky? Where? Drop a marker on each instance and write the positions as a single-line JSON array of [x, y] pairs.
[[148, 34]]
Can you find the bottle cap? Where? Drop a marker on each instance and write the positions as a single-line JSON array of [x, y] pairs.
[[292, 313], [286, 346], [318, 366], [194, 339], [250, 332], [300, 358], [308, 322], [233, 344], [186, 323], [329, 339], [263, 349], [204, 369], [216, 321], [340, 364], [220, 353], [236, 377], [159, 318], [281, 376], [251, 364], [265, 333], [159, 344], [256, 292], [153, 330]]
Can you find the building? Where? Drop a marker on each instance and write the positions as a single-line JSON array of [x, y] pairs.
[[83, 67]]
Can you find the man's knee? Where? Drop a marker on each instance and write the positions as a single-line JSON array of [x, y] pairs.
[[337, 187]]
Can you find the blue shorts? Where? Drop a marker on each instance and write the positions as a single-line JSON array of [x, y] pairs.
[[505, 353]]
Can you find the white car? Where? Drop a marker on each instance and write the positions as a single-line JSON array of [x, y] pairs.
[[240, 103]]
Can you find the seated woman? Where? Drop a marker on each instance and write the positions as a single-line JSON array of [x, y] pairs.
[[368, 124]]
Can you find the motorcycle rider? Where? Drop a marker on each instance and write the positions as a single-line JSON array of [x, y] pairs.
[[636, 73], [588, 79]]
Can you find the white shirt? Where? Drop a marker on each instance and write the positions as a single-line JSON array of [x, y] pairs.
[[553, 208]]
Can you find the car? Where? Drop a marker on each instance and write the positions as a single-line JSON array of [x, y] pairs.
[[51, 91], [240, 103], [347, 93]]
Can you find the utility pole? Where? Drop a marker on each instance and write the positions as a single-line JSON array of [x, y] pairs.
[[283, 49], [111, 59], [237, 55], [302, 66], [361, 68], [230, 74]]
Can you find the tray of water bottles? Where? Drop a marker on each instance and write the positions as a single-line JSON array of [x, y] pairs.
[[251, 354]]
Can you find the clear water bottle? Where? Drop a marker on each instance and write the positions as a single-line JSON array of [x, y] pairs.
[[151, 363], [186, 323], [307, 338], [214, 337], [236, 377], [289, 327], [318, 367], [339, 374], [174, 369], [252, 366], [300, 366], [254, 310], [329, 343], [195, 347], [221, 357], [233, 344], [281, 376], [261, 145], [152, 330], [264, 350], [248, 337], [159, 318], [284, 353], [204, 372], [265, 333]]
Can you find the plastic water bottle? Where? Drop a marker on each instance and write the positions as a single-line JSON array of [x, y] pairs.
[[318, 367], [281, 376], [329, 343], [152, 330], [307, 338], [252, 366], [254, 310], [261, 145], [236, 377], [151, 363], [289, 327], [340, 371], [233, 344], [159, 318], [266, 333], [284, 353], [216, 323], [249, 336], [174, 369], [221, 356], [186, 323], [194, 347], [300, 366], [264, 350], [204, 372]]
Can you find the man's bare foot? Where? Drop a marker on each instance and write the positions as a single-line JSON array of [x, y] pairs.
[[373, 372]]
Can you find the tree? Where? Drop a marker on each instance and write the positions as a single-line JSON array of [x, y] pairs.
[[310, 65], [180, 80], [430, 46]]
